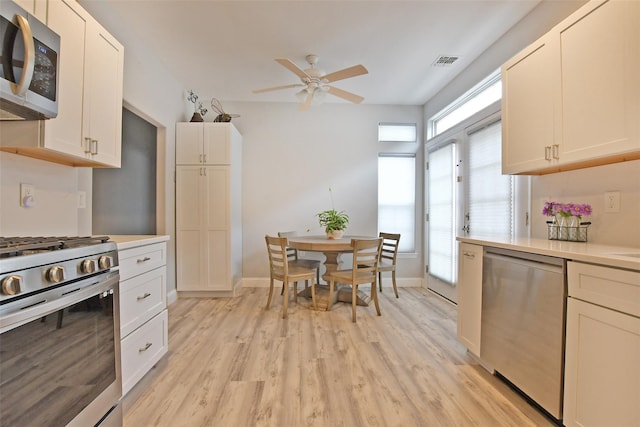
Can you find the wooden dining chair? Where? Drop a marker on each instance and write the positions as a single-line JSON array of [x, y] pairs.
[[366, 254], [281, 270], [388, 256], [292, 256]]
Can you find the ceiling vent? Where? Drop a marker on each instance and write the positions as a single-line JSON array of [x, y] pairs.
[[444, 60]]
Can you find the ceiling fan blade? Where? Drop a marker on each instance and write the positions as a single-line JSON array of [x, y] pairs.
[[292, 67], [356, 70], [269, 89], [307, 102], [351, 97]]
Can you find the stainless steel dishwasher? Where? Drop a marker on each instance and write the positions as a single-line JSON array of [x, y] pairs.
[[523, 322]]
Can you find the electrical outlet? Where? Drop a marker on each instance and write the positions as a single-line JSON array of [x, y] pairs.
[[612, 201], [27, 195]]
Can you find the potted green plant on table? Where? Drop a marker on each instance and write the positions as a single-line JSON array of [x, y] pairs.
[[333, 221]]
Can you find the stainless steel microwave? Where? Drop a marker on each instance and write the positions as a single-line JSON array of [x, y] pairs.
[[29, 59]]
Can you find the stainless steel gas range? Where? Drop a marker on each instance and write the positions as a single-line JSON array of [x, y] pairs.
[[59, 332]]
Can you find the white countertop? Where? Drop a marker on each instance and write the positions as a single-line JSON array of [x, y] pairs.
[[577, 251], [133, 241]]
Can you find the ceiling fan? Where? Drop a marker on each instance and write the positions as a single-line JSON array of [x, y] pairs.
[[315, 82]]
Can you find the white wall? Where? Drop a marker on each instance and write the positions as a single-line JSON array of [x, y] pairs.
[[292, 158]]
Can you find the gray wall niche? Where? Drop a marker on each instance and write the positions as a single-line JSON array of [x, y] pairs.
[[124, 200]]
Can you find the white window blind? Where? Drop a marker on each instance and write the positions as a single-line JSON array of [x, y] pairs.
[[396, 198], [490, 194], [441, 205]]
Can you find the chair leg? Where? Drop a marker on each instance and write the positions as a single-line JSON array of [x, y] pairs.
[[374, 297], [380, 280], [270, 294], [330, 300], [318, 276], [313, 294], [295, 291], [354, 300], [393, 280], [285, 303]]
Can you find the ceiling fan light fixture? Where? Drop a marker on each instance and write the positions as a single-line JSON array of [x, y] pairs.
[[302, 94]]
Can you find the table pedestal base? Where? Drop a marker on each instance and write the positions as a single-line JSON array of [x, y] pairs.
[[343, 294]]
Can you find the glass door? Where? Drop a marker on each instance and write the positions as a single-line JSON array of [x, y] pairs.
[[442, 220]]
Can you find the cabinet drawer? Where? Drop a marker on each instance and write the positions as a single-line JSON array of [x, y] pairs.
[[139, 260], [610, 287], [141, 298], [142, 349]]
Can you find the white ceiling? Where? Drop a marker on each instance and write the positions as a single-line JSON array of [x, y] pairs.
[[225, 49]]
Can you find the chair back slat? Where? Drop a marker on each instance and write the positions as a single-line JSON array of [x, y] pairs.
[[389, 249], [277, 249], [292, 253], [366, 253]]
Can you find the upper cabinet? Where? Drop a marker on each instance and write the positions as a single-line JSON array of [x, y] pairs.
[[203, 144], [572, 99], [88, 128]]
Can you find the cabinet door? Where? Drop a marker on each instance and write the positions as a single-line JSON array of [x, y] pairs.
[[470, 296], [190, 239], [216, 144], [600, 84], [189, 137], [64, 133], [218, 257], [529, 107], [602, 374], [103, 96]]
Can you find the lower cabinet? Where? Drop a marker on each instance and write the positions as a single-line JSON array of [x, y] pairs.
[[144, 327], [470, 296], [602, 373]]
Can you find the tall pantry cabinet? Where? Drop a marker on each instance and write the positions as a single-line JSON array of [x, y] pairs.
[[208, 208]]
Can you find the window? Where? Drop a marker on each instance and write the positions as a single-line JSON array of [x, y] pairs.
[[489, 193], [397, 197], [480, 96], [397, 132]]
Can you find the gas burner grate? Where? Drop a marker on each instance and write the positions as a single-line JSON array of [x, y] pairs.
[[16, 246]]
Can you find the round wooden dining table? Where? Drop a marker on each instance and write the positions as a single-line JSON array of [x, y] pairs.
[[332, 250]]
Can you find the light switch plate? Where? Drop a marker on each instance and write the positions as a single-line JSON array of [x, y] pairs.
[[82, 199], [612, 201]]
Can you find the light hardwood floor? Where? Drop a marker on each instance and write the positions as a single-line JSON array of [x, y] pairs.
[[231, 363]]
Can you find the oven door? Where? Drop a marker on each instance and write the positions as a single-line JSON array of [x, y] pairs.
[[59, 358]]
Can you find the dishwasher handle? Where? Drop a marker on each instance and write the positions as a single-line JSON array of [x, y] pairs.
[[540, 262]]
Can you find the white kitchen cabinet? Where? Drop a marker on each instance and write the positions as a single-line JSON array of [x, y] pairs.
[[208, 208], [530, 124], [204, 143], [88, 128], [143, 308], [572, 99], [470, 296], [602, 374]]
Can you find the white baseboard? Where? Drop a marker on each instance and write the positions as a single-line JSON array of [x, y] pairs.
[[172, 296]]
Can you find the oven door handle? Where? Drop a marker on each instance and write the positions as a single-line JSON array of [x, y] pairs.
[[58, 299]]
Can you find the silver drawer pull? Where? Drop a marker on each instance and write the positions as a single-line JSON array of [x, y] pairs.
[[469, 254], [145, 348], [146, 295], [143, 259]]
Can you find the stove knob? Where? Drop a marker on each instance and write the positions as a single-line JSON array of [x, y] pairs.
[[88, 266], [11, 285], [55, 274], [104, 262]]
